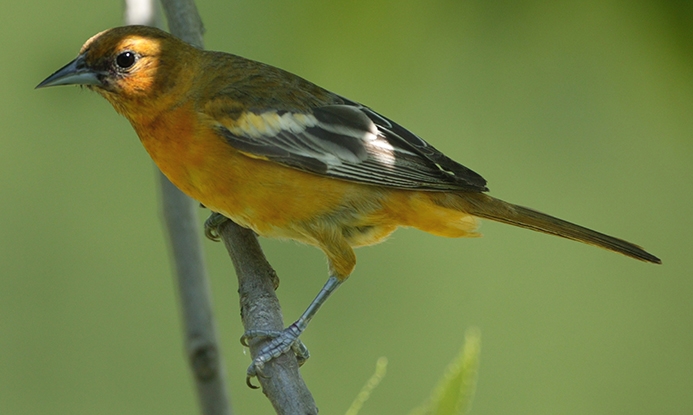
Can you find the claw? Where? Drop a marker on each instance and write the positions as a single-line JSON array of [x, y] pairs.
[[287, 339], [258, 334], [301, 352], [282, 342], [248, 381], [254, 370], [212, 226]]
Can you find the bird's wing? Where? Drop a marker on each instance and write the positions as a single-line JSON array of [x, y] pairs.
[[349, 142]]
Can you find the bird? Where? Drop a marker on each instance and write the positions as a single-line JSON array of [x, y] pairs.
[[288, 159]]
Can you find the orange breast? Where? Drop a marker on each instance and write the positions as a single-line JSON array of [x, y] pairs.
[[262, 195]]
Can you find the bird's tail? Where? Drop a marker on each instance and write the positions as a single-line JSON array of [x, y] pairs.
[[485, 206]]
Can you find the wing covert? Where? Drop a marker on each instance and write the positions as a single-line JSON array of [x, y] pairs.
[[349, 142]]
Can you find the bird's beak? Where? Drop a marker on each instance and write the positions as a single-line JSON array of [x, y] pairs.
[[74, 73]]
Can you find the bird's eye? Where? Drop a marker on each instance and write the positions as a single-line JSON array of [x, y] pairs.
[[126, 59]]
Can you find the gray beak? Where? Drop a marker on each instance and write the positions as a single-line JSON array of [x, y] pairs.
[[74, 73]]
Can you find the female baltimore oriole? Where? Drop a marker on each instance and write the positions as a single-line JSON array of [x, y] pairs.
[[288, 159]]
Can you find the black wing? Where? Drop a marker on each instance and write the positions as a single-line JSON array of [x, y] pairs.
[[349, 142]]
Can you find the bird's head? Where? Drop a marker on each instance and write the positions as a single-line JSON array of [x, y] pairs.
[[127, 65]]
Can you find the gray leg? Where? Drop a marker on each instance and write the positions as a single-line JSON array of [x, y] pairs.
[[286, 340]]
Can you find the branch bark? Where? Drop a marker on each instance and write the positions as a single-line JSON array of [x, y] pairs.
[[260, 309], [201, 343], [180, 217], [184, 21]]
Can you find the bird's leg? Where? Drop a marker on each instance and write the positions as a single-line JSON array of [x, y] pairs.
[[288, 339], [212, 226]]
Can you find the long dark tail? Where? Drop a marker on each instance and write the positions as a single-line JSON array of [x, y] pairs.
[[485, 206]]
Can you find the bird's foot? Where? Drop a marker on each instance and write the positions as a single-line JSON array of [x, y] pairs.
[[212, 226], [282, 342]]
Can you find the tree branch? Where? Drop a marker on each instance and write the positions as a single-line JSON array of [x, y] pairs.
[[257, 281], [260, 310], [184, 21], [180, 217], [201, 344]]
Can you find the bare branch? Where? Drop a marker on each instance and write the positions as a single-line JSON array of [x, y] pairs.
[[260, 310], [201, 342], [184, 21], [179, 211]]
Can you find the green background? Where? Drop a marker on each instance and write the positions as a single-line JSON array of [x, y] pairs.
[[581, 110]]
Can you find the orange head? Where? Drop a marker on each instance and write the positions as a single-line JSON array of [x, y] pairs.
[[130, 66]]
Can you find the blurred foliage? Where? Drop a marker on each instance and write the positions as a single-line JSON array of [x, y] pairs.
[[454, 393], [369, 387], [455, 390], [579, 109]]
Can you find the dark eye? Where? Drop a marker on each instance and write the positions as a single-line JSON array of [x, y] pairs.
[[126, 59]]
